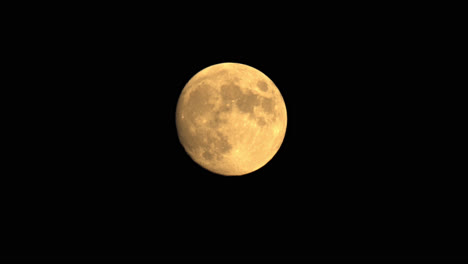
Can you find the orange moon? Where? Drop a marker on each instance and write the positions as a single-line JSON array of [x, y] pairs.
[[231, 119]]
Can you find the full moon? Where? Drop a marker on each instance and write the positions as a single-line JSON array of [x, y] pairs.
[[231, 119]]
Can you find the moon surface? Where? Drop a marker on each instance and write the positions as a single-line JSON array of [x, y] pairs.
[[231, 119]]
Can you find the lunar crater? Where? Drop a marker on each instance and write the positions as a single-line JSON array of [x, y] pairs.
[[208, 155], [268, 106], [261, 121], [263, 86], [230, 92], [213, 145], [247, 102]]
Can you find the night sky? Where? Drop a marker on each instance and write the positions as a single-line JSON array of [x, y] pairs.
[[362, 173]]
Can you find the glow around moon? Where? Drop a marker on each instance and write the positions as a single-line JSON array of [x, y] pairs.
[[231, 119]]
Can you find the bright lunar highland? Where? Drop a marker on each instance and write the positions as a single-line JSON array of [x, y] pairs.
[[231, 119]]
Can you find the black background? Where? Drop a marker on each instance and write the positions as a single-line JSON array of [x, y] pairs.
[[98, 171]]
